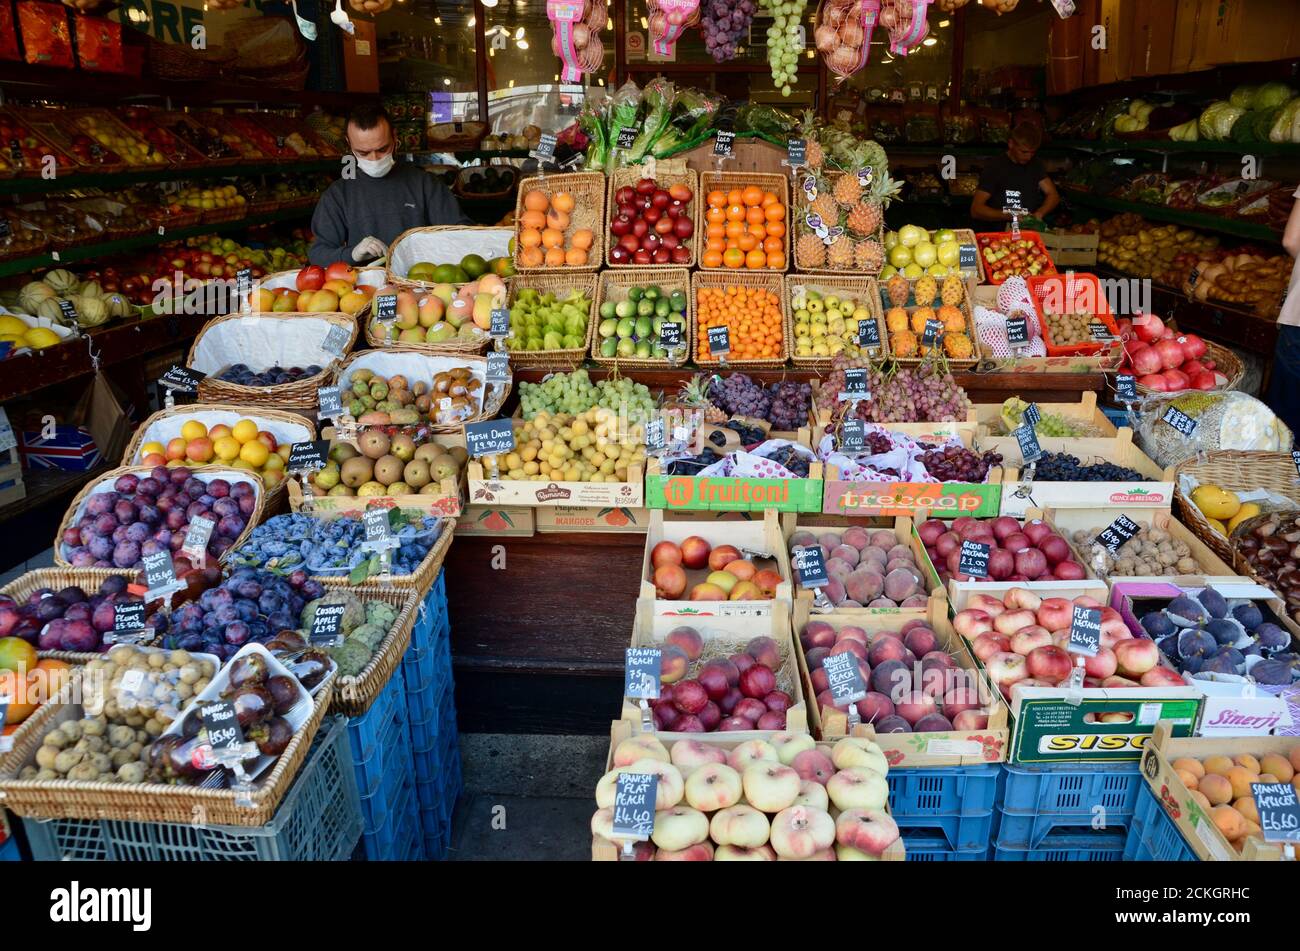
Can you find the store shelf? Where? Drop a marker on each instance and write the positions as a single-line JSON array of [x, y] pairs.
[[1188, 219], [86, 252], [28, 186], [1259, 149]]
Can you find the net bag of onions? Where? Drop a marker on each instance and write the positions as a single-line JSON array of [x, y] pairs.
[[575, 35], [668, 20], [843, 33], [905, 22]]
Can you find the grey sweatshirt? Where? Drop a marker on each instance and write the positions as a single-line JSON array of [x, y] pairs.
[[352, 209]]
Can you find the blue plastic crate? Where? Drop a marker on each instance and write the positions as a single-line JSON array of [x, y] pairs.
[[1153, 836], [436, 715], [408, 843], [435, 846], [952, 790], [9, 852], [1067, 848], [432, 618], [392, 839], [1067, 800], [427, 676], [437, 749], [318, 821], [367, 732], [397, 773], [438, 795], [935, 848], [393, 735], [960, 832]]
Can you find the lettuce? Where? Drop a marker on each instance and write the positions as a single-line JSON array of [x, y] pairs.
[[1271, 94], [1286, 127], [1216, 122]]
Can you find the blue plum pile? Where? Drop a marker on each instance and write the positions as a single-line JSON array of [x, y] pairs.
[[333, 546]]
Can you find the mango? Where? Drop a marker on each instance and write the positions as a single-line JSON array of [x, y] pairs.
[[1247, 510], [482, 312], [408, 310], [1216, 502]]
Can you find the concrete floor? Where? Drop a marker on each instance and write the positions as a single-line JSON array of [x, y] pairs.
[[527, 797]]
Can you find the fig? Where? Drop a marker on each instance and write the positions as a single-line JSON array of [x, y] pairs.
[[1213, 603]]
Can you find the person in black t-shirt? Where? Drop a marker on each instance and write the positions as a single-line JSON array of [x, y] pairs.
[[1015, 178]]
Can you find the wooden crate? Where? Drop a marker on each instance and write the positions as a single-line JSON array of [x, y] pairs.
[[1084, 412]]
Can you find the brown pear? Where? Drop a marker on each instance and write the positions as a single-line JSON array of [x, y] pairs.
[[459, 454], [356, 471], [373, 443], [388, 469], [403, 447], [428, 452], [416, 474], [444, 467]]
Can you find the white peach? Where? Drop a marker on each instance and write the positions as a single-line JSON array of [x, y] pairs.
[[845, 854], [690, 755], [801, 831], [712, 787], [1009, 622], [814, 766], [770, 787], [823, 855], [751, 751], [679, 828], [790, 745], [667, 794], [699, 852], [642, 746], [858, 789], [738, 853], [986, 603], [866, 830], [740, 825], [856, 751]]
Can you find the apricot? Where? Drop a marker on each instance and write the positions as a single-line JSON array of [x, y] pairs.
[[1189, 780], [1229, 821], [1279, 766], [1267, 778], [1219, 765], [1249, 762], [1199, 797], [1241, 778], [1217, 789], [1294, 756], [1193, 766], [1253, 830], [1246, 806]]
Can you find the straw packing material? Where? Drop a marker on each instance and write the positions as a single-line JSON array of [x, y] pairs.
[[561, 222]]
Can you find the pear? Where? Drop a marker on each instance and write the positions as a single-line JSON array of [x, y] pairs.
[[356, 472], [428, 452], [403, 447], [416, 473], [400, 488], [341, 452], [444, 467], [373, 443]]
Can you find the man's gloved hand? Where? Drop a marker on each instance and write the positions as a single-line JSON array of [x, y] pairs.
[[369, 248]]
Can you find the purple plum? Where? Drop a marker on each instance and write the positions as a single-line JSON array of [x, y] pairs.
[[100, 547], [151, 486], [119, 535], [126, 555], [219, 488], [105, 525], [124, 511], [102, 618], [137, 532], [80, 636], [72, 537], [246, 504], [81, 558], [126, 484]]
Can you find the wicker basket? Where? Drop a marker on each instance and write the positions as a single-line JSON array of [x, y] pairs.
[[856, 288], [967, 236], [491, 405], [458, 186], [143, 802], [726, 181], [613, 285], [560, 284], [299, 395], [667, 173], [1225, 362], [89, 579], [768, 280], [376, 339], [588, 191], [1235, 471], [470, 240], [968, 314], [449, 140], [354, 695], [799, 228], [266, 419], [178, 61], [71, 515], [421, 580]]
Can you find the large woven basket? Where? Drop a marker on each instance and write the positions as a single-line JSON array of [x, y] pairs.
[[613, 286], [588, 191], [206, 473], [416, 244], [968, 315], [376, 338], [667, 173], [354, 695], [857, 288], [431, 363], [726, 181], [772, 281], [166, 424], [1235, 471], [299, 395], [559, 283], [1225, 362], [89, 579], [419, 580], [143, 802]]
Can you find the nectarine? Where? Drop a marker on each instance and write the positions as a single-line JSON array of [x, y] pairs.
[[695, 552], [665, 553], [722, 556]]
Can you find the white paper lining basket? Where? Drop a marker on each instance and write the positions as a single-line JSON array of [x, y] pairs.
[[419, 366], [444, 244]]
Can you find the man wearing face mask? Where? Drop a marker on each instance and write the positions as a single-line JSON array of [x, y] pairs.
[[361, 214]]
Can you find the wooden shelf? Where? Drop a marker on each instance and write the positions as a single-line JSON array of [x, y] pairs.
[[29, 186], [1236, 227]]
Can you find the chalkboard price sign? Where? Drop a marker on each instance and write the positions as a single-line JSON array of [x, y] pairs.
[[1085, 630], [809, 565], [641, 669], [973, 560]]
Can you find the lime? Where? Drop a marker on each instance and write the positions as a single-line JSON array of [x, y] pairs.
[[474, 266]]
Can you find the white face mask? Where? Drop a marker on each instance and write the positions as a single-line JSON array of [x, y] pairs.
[[377, 168]]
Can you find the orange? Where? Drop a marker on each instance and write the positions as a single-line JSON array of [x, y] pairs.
[[753, 195], [536, 200], [552, 238], [735, 212], [773, 244], [734, 229], [716, 229], [717, 198], [755, 259], [716, 244], [531, 257], [533, 219], [747, 242], [754, 215], [563, 202], [530, 238], [776, 260], [582, 239], [775, 212], [735, 197], [757, 230], [776, 229], [715, 214], [769, 198], [734, 257], [559, 220], [712, 258], [554, 257], [575, 257]]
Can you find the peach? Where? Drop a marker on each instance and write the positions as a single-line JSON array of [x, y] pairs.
[[1241, 778], [724, 580], [667, 794], [679, 828], [790, 745], [1028, 639], [822, 855], [1246, 761], [767, 581], [855, 751], [700, 852], [695, 552], [866, 830], [814, 765], [799, 832], [1190, 780], [1229, 821], [745, 591], [707, 592], [712, 787], [639, 747], [812, 793], [199, 450], [176, 448], [845, 854], [688, 639], [665, 553], [1278, 765], [722, 556], [736, 853], [858, 788], [765, 651], [673, 664], [602, 823], [669, 581], [1199, 796], [770, 787], [1009, 622], [740, 825], [742, 569], [1218, 764], [690, 755], [750, 752], [1217, 789]]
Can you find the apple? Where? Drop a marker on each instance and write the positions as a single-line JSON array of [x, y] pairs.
[[858, 789], [866, 830], [734, 853], [712, 787], [769, 786], [640, 747], [695, 552], [690, 755], [790, 745], [679, 828], [740, 825], [798, 832], [813, 766]]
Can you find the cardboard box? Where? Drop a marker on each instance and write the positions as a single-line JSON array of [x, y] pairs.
[[917, 750], [603, 850], [764, 536], [361, 58], [722, 637], [1071, 249], [1113, 62], [1049, 728], [496, 520], [1197, 827], [485, 491], [1214, 570], [1153, 47], [905, 534], [578, 518], [1186, 24], [66, 448], [446, 503]]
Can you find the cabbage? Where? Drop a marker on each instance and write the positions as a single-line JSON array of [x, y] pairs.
[[1243, 96], [1217, 120], [1286, 127], [1271, 94]]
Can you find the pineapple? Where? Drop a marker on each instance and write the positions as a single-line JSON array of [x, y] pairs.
[[868, 256], [840, 254], [899, 290], [815, 156], [919, 318], [925, 290], [953, 290], [957, 346], [809, 251], [864, 218], [896, 320], [695, 395], [847, 191], [824, 205]]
